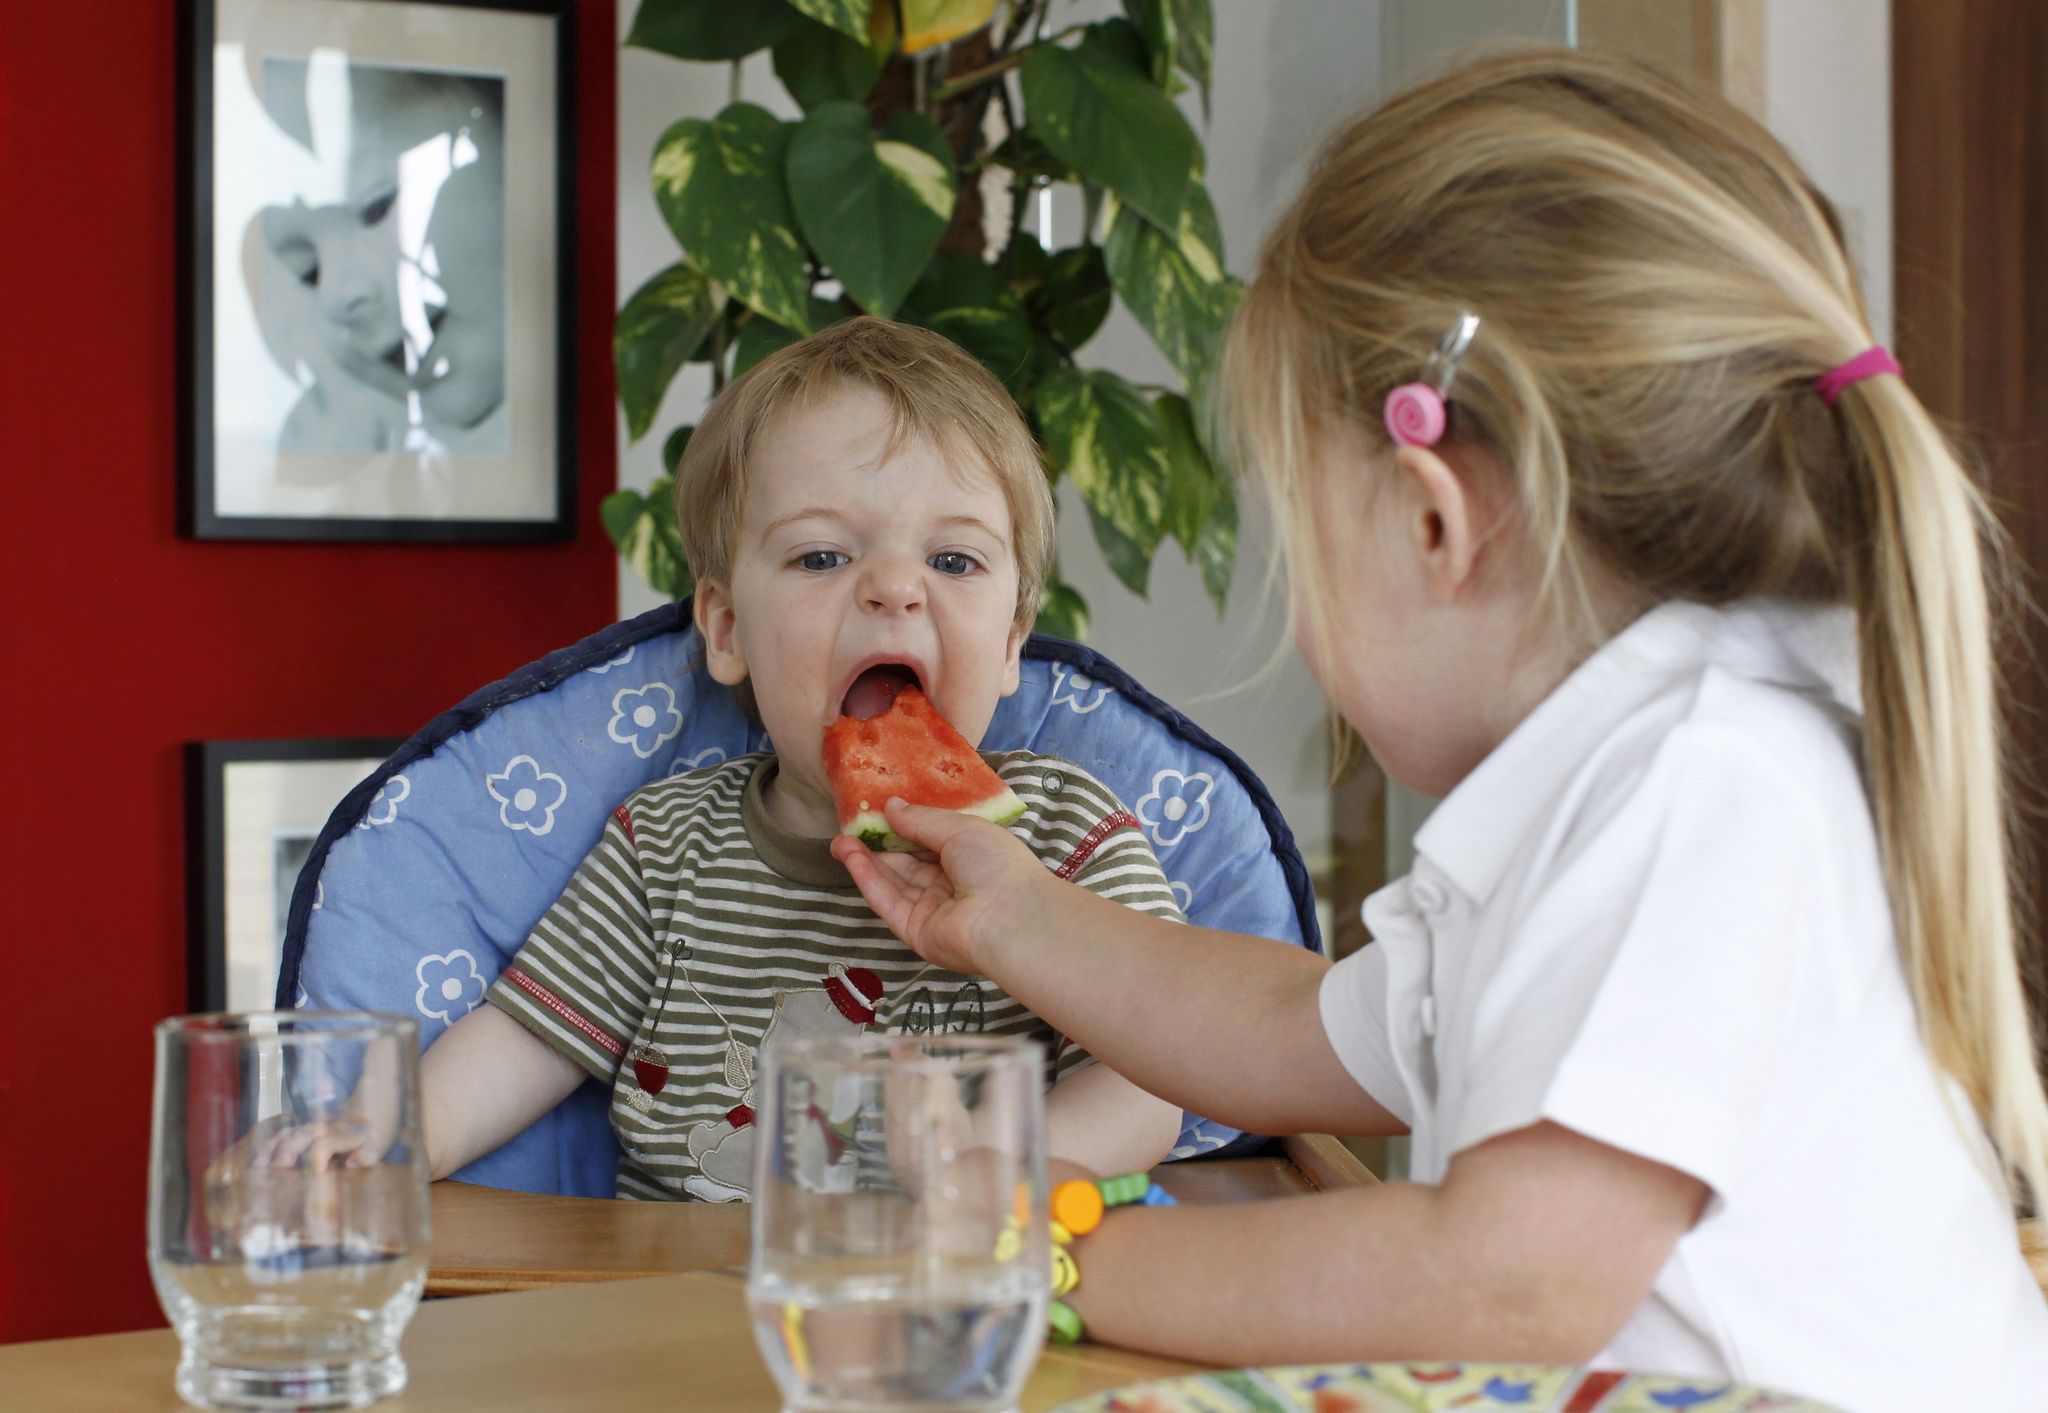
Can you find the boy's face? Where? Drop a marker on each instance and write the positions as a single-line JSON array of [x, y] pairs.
[[848, 560]]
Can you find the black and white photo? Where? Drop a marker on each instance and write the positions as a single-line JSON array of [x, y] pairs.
[[379, 229]]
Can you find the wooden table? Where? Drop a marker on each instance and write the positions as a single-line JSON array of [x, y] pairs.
[[575, 1329], [487, 1240], [669, 1342]]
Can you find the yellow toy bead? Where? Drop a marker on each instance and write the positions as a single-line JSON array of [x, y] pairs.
[[1010, 1244], [1060, 1235], [1065, 1273], [1077, 1205]]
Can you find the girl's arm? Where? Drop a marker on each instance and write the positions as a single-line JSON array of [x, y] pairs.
[[1224, 1025], [1537, 1248], [483, 1082]]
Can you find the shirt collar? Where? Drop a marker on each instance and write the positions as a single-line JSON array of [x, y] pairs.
[[1486, 820], [801, 858]]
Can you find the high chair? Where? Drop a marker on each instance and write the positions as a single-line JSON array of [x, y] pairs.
[[431, 872]]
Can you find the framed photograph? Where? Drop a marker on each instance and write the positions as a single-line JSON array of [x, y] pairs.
[[376, 294], [253, 810]]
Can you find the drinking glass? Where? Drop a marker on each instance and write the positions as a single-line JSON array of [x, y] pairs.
[[288, 1204], [900, 1256]]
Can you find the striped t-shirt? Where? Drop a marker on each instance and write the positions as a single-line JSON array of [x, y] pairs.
[[697, 927]]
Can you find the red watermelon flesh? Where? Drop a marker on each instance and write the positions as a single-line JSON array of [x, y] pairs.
[[912, 752]]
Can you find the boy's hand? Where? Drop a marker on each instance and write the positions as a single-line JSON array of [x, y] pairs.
[[957, 908]]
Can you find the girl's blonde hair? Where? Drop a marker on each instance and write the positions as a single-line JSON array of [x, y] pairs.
[[1659, 288]]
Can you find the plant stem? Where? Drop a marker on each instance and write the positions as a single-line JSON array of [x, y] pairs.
[[735, 95]]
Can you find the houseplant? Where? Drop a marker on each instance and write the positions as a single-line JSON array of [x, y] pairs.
[[928, 126]]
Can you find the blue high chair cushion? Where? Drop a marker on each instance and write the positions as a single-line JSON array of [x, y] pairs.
[[431, 873]]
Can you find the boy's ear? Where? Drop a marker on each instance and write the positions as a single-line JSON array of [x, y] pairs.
[[1441, 517], [711, 605], [1013, 660]]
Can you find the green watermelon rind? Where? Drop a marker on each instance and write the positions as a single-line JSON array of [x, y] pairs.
[[872, 828]]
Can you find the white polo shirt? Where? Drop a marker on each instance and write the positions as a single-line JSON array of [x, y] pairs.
[[1655, 914]]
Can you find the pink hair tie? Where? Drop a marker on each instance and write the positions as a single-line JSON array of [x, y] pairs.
[[1867, 364]]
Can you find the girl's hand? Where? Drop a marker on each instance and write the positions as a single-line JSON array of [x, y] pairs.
[[956, 906]]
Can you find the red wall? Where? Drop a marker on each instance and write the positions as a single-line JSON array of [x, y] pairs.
[[122, 641]]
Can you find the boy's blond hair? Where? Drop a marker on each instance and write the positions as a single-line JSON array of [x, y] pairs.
[[1659, 287], [937, 392]]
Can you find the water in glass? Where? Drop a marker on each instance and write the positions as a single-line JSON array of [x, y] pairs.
[[288, 1205], [900, 1257]]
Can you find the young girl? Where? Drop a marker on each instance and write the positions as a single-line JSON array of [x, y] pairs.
[[1702, 1003]]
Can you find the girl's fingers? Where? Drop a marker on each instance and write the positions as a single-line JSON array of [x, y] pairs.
[[921, 824]]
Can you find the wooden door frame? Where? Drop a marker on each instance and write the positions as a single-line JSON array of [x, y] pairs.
[[1970, 255]]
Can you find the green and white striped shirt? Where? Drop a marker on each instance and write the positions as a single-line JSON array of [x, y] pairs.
[[697, 926]]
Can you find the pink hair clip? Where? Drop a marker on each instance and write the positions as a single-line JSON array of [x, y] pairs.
[[1415, 412], [1867, 364]]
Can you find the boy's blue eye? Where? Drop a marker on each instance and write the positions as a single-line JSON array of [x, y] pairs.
[[953, 562], [818, 561]]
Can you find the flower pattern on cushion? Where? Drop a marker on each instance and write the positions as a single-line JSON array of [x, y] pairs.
[[620, 661], [1183, 896], [1177, 806], [450, 986], [384, 808], [644, 717], [710, 755], [1077, 691], [527, 796]]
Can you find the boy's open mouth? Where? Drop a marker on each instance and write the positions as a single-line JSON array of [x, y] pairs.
[[876, 687]]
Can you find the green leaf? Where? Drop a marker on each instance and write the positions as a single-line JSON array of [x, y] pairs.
[[711, 29], [1111, 441], [1030, 159], [848, 17], [643, 526], [1216, 550], [664, 322], [1062, 611], [1191, 479], [760, 337], [968, 300], [1127, 559], [819, 65], [872, 208], [672, 449], [927, 23], [720, 187], [1194, 43], [1111, 123], [1026, 260], [1176, 288], [1155, 21], [1075, 296]]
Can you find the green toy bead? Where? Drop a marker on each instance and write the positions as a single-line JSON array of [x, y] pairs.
[[1066, 1325], [1130, 1187]]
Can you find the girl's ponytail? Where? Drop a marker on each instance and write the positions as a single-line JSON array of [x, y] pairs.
[[1925, 575]]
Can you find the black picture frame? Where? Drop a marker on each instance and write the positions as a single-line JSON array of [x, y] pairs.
[[252, 812], [289, 427]]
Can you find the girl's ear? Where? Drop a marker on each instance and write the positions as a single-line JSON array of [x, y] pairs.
[[711, 605], [1441, 516]]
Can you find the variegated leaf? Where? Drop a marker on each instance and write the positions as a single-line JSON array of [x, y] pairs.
[[848, 17], [873, 209], [720, 187], [661, 326], [1098, 110], [1110, 440], [1176, 288]]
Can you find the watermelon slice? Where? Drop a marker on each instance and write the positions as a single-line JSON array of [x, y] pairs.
[[910, 751]]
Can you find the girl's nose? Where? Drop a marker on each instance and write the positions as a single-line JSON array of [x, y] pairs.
[[893, 584]]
